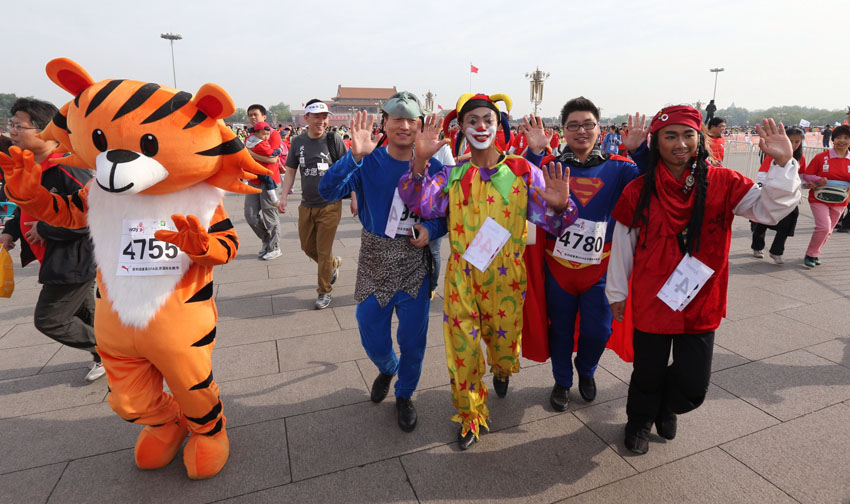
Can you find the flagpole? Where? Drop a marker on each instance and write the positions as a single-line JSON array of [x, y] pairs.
[[470, 76]]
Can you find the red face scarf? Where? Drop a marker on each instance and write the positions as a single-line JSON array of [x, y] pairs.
[[677, 205]]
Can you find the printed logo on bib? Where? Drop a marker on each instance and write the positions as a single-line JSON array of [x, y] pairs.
[[582, 242], [488, 241], [684, 283], [400, 219], [141, 254]]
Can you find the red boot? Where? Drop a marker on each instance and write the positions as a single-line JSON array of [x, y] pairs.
[[205, 456], [157, 446]]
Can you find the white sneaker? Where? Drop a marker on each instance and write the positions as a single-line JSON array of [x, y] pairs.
[[777, 259], [95, 372], [758, 254], [323, 301], [274, 254]]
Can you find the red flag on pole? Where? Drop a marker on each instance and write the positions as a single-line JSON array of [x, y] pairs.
[[440, 107], [473, 68]]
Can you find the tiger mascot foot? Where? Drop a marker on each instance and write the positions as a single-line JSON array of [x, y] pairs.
[[157, 446], [204, 456]]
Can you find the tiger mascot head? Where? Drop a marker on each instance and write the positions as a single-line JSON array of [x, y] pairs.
[[142, 137]]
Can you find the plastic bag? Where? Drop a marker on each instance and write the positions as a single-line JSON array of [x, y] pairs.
[[7, 274]]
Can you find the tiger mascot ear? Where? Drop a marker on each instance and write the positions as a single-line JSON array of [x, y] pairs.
[[214, 101], [69, 75]]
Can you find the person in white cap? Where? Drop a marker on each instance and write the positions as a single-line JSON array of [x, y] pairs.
[[312, 153]]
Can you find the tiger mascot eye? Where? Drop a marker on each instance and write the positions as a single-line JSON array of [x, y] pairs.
[[162, 159]]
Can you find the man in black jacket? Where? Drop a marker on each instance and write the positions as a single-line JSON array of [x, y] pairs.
[[65, 307]]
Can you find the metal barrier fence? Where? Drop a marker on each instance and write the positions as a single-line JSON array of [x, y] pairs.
[[746, 157]]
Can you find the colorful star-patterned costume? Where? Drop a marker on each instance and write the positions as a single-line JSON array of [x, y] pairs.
[[483, 305]]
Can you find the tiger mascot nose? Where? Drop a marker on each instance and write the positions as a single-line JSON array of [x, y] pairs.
[[127, 172]]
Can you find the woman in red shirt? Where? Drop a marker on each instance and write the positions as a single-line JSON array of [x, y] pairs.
[[786, 226], [832, 165], [672, 235]]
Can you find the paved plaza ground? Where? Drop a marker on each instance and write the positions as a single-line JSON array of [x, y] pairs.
[[295, 381]]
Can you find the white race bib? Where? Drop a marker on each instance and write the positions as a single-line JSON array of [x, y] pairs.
[[684, 283], [488, 241], [582, 242], [140, 254], [400, 220], [323, 167]]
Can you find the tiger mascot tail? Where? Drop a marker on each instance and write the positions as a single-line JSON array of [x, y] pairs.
[[162, 159]]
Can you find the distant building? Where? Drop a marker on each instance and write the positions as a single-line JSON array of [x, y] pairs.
[[349, 100]]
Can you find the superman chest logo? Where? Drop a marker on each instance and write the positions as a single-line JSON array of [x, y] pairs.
[[585, 188]]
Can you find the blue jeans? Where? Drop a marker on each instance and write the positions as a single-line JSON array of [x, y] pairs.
[[595, 329], [375, 327]]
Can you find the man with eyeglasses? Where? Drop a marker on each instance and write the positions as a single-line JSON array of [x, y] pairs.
[[576, 263], [65, 307]]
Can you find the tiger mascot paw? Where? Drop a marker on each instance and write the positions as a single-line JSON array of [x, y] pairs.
[[205, 456], [157, 446]]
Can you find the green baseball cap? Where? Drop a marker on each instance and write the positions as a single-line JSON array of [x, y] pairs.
[[403, 104]]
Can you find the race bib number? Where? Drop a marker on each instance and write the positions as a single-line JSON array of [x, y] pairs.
[[684, 283], [140, 254], [582, 242], [323, 167], [400, 220], [488, 241]]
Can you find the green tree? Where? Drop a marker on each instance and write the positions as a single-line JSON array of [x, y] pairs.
[[239, 116], [279, 113], [6, 101]]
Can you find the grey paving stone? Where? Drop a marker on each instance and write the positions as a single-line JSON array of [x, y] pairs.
[[721, 418], [25, 361], [806, 457], [305, 298], [767, 335], [345, 315], [805, 289], [836, 350], [365, 432], [244, 361], [63, 435], [226, 276], [229, 309], [832, 316], [289, 325], [249, 289], [30, 485], [612, 363], [68, 358], [48, 392], [292, 393], [257, 460], [23, 334], [16, 314], [742, 278], [383, 481], [535, 462], [723, 358], [311, 350], [788, 385], [708, 477], [753, 301], [22, 296]]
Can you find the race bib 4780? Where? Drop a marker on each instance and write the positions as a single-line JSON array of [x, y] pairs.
[[140, 254]]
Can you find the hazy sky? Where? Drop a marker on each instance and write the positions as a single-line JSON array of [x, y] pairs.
[[625, 56]]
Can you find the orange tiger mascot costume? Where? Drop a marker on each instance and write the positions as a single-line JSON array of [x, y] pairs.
[[160, 155]]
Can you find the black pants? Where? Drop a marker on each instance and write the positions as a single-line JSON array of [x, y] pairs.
[[65, 313], [681, 386], [778, 245]]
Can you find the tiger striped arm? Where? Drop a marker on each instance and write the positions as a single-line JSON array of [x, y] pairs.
[[223, 241]]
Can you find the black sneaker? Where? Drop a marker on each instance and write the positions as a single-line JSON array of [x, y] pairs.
[[380, 387], [637, 437], [501, 386], [587, 388], [466, 441], [406, 413], [559, 398], [665, 424]]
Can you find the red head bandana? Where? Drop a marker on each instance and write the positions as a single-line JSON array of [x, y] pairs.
[[677, 114]]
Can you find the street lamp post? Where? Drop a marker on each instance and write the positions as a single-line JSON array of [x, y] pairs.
[[537, 77], [172, 37], [715, 71]]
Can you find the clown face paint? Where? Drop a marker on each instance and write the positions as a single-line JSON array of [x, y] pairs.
[[481, 138]]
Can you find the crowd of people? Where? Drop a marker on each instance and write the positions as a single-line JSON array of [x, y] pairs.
[[551, 231]]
